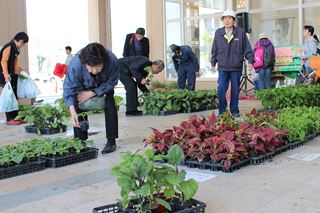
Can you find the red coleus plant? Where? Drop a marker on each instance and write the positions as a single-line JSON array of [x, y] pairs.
[[263, 139], [161, 141], [227, 149], [258, 119], [224, 140]]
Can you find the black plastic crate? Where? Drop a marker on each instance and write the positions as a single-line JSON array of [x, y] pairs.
[[235, 166], [163, 113], [295, 144], [195, 207], [282, 149], [309, 137], [86, 154], [211, 107], [214, 166], [261, 159], [192, 164], [44, 131], [22, 169]]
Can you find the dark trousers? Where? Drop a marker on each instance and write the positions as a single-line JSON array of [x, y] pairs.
[[223, 83], [111, 120], [184, 74], [130, 86], [14, 82]]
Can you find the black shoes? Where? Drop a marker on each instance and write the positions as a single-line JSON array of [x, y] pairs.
[[236, 115], [134, 113], [109, 147]]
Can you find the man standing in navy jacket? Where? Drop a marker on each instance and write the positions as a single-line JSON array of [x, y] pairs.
[[230, 47], [186, 64], [94, 72]]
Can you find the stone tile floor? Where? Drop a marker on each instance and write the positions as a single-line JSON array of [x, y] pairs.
[[282, 185]]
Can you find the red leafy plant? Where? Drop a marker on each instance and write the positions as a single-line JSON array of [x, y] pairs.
[[225, 140]]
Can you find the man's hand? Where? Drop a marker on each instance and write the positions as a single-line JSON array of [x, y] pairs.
[[198, 74], [213, 68], [250, 66], [84, 96], [74, 117], [7, 78], [143, 81]]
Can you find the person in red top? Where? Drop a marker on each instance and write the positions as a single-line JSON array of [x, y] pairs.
[[10, 68]]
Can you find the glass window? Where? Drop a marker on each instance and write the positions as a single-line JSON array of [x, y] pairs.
[[311, 17], [257, 4], [173, 36], [310, 1], [199, 36], [241, 4], [172, 8], [202, 7], [280, 26]]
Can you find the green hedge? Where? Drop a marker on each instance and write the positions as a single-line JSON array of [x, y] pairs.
[[302, 95], [179, 101]]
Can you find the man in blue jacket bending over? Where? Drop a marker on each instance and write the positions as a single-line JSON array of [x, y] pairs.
[[93, 72], [230, 47], [186, 64]]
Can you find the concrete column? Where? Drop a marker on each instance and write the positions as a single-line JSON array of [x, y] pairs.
[[97, 21], [155, 32], [13, 20]]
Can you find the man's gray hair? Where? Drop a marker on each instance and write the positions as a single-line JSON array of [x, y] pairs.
[[159, 63]]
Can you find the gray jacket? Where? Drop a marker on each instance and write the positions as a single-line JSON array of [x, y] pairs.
[[309, 49], [230, 56]]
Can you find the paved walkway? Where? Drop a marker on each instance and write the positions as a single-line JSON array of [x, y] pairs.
[[283, 185]]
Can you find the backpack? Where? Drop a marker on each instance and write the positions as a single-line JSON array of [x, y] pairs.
[[258, 57], [267, 58]]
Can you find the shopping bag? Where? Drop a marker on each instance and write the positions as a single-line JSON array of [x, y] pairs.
[[95, 103], [254, 76], [27, 88], [60, 70], [8, 101]]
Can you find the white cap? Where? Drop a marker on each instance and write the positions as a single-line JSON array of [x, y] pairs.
[[263, 35], [229, 13]]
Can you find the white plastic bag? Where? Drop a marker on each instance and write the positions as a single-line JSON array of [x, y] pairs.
[[8, 101], [254, 76], [27, 88]]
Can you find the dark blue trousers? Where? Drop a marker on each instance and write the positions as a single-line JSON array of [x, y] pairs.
[[223, 83], [184, 74]]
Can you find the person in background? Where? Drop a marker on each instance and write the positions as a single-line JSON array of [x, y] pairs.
[[93, 72], [133, 72], [310, 46], [230, 47], [266, 69], [10, 69], [69, 55], [136, 44], [186, 65]]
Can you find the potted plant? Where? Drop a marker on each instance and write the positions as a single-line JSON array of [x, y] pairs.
[[46, 119], [147, 187], [118, 101]]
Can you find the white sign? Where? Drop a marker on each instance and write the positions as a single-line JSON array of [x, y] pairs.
[[199, 176], [305, 156]]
